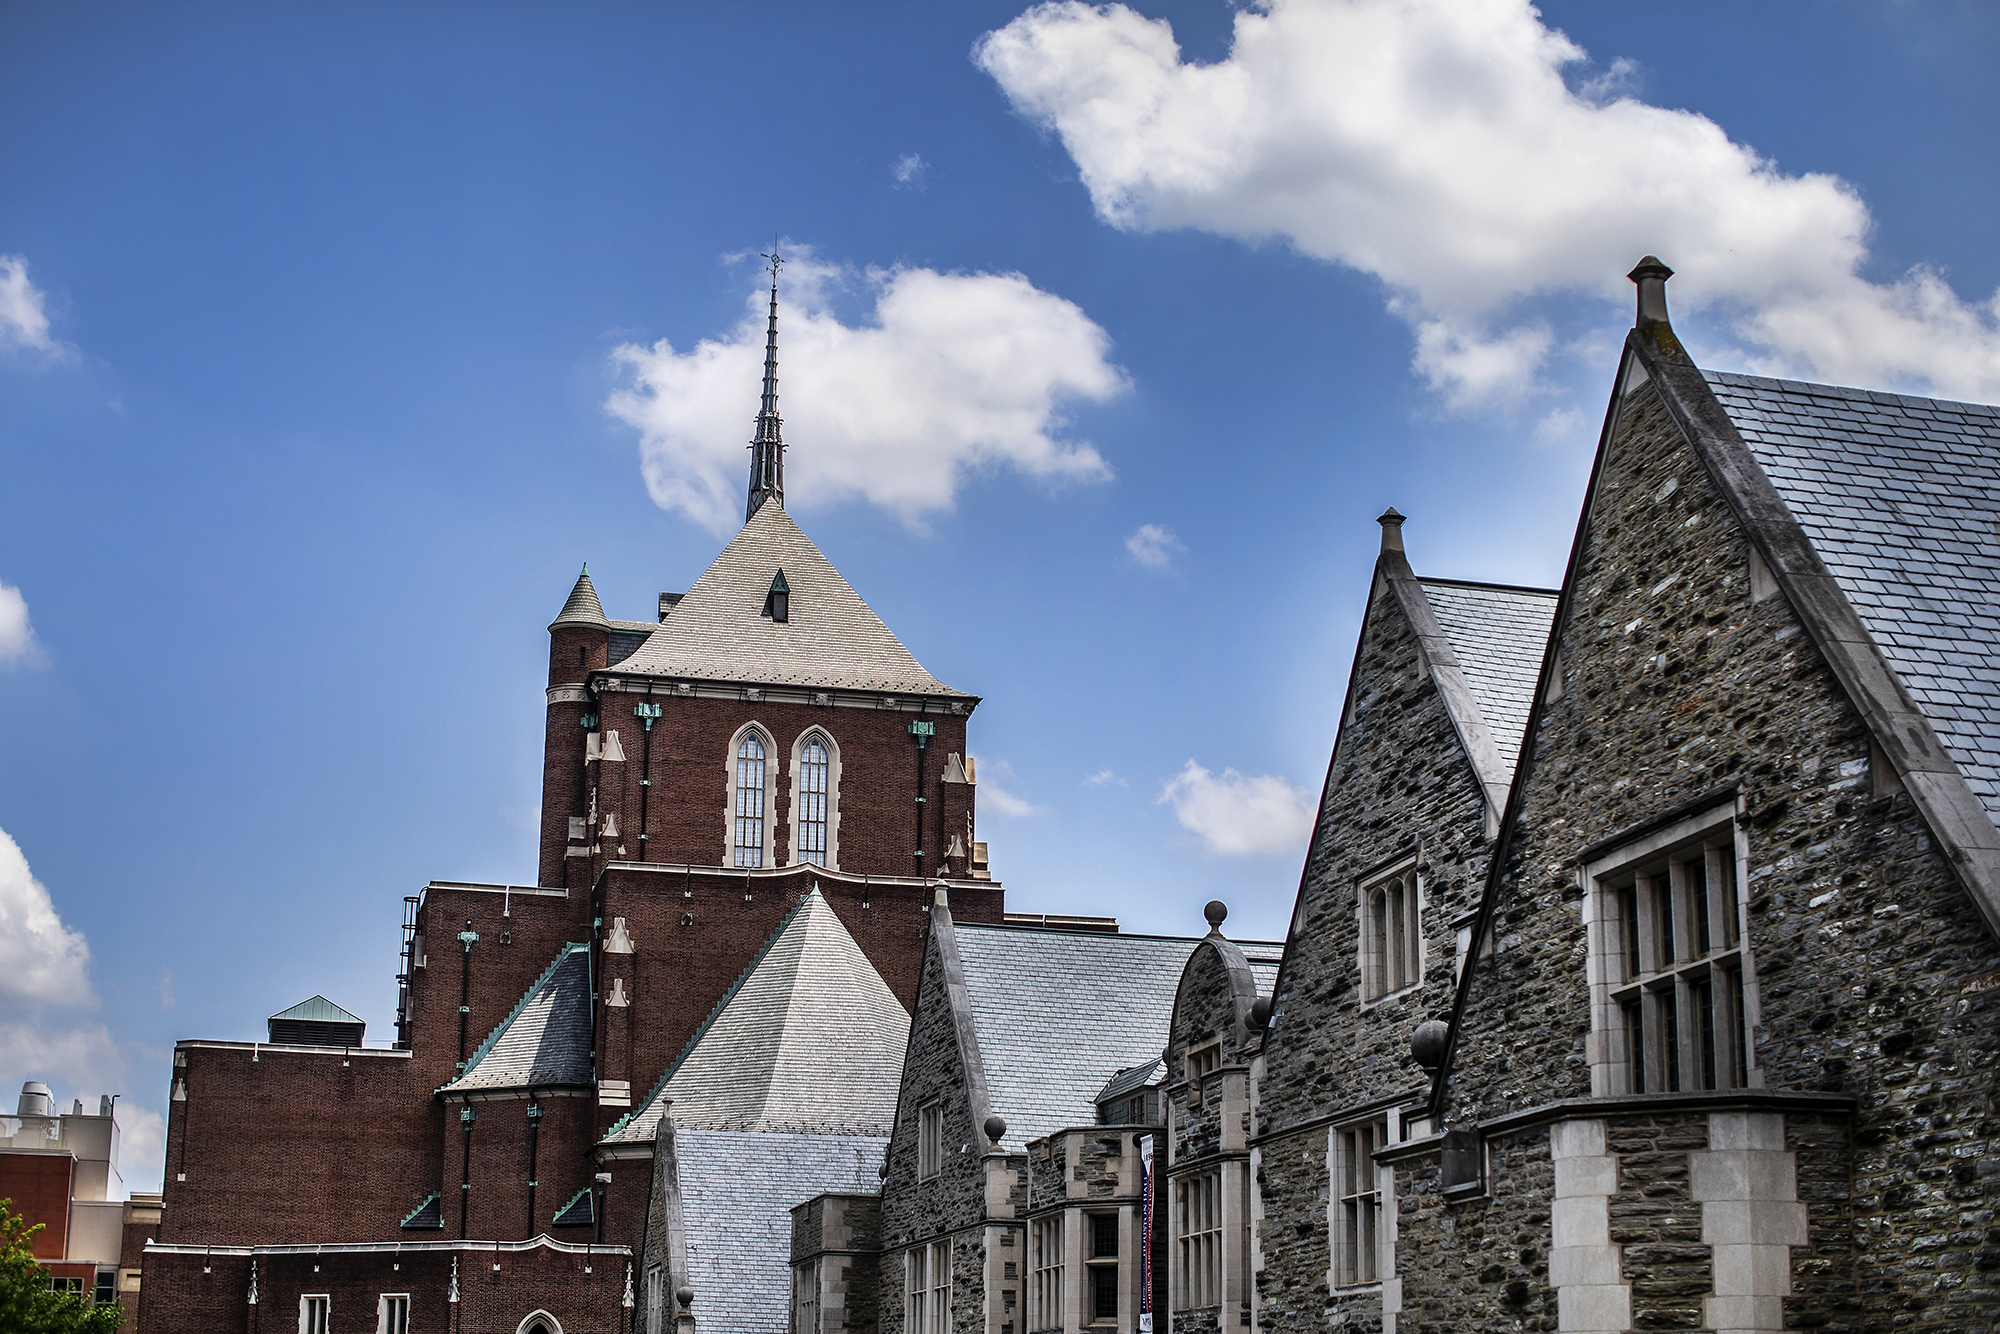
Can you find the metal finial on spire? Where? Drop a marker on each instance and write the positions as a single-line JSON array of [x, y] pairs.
[[767, 448]]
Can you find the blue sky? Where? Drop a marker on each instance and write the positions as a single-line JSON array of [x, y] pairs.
[[334, 338]]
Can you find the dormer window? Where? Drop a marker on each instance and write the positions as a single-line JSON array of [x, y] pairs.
[[777, 603]]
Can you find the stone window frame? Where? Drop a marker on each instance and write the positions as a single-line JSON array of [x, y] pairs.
[[315, 1312], [797, 784], [805, 1297], [1202, 1061], [927, 1288], [1047, 1272], [1348, 1205], [1390, 929], [389, 1306], [656, 1296], [768, 852], [1095, 1264], [1718, 833], [930, 1139], [1197, 1276]]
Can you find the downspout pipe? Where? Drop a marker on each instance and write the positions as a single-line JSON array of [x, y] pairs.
[[534, 1131], [466, 1117]]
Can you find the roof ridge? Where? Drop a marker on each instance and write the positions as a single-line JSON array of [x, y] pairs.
[[479, 1054], [1481, 583], [707, 1023]]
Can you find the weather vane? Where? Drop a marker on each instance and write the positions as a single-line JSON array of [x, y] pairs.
[[777, 261]]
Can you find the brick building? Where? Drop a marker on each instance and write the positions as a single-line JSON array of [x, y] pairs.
[[763, 773]]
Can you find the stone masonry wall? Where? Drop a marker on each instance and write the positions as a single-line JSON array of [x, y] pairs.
[[1398, 777], [1874, 972], [1478, 1266]]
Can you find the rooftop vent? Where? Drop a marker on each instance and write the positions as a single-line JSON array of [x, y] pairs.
[[668, 601], [36, 1100], [316, 1023]]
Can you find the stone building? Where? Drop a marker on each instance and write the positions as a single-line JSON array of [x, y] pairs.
[[1023, 1168], [1429, 735], [1733, 1061], [763, 773]]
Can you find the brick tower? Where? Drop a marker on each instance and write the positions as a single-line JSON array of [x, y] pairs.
[[704, 773]]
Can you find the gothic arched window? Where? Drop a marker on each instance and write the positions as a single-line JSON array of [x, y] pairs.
[[748, 839], [810, 816]]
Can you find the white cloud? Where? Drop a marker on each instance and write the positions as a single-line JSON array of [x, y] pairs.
[[1238, 813], [41, 960], [18, 645], [23, 323], [956, 373], [993, 796], [1105, 778], [44, 985], [1153, 546], [909, 171], [1437, 145]]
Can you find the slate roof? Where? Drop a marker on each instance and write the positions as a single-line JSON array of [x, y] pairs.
[[1901, 498], [546, 1040], [318, 1010], [737, 1192], [1499, 635], [718, 632], [809, 1040], [583, 605], [1058, 1012]]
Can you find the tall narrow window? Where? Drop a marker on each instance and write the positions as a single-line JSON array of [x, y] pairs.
[[1045, 1273], [810, 815], [805, 1298], [656, 1297], [1391, 935], [1358, 1202], [313, 1314], [1199, 1253], [1674, 968], [392, 1314], [930, 1139], [1103, 1266], [940, 1299], [750, 761]]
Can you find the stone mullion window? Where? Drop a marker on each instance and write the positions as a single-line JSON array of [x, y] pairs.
[[1357, 1184], [810, 816], [1675, 969], [805, 1298], [1392, 942], [1199, 1253], [392, 1313], [930, 1139], [939, 1305], [314, 1309], [751, 797], [1101, 1266], [1045, 1273]]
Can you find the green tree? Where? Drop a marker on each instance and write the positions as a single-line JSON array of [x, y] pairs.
[[27, 1306]]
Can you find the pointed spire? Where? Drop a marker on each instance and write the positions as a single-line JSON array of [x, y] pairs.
[[767, 449], [583, 605]]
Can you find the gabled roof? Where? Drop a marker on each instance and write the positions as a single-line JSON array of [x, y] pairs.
[[318, 1010], [1498, 635], [737, 1191], [1056, 1013], [1901, 498], [546, 1040], [832, 640], [810, 1040]]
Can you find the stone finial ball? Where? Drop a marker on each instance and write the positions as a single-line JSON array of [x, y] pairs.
[[1260, 1011], [686, 1296], [1215, 912], [1427, 1044], [996, 1126]]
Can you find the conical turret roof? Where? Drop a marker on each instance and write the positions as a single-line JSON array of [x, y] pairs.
[[583, 608]]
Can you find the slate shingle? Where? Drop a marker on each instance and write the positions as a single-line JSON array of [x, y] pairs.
[[1901, 498], [1057, 1013], [546, 1040], [1498, 635]]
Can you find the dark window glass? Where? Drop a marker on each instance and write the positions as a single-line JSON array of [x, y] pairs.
[[1103, 1236], [1104, 1292]]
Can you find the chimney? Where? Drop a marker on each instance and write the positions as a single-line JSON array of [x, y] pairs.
[[1651, 279], [1392, 529]]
